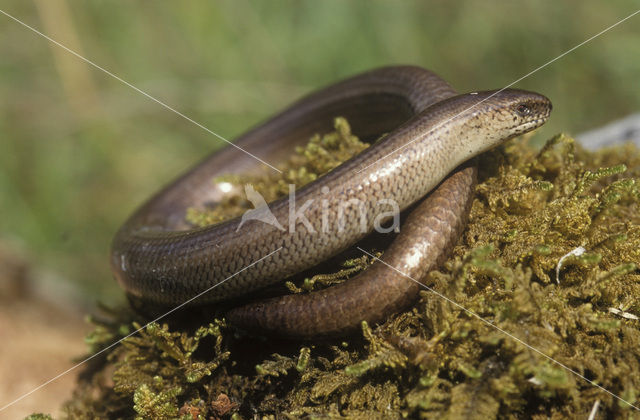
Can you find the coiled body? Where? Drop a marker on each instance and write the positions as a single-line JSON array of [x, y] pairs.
[[156, 257]]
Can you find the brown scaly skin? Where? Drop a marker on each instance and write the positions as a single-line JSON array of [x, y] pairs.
[[425, 240], [431, 132]]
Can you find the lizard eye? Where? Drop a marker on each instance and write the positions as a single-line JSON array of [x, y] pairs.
[[523, 110]]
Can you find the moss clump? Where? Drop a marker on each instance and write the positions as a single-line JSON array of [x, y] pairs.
[[320, 155], [484, 342]]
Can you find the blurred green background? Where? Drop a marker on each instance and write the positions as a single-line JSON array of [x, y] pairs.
[[80, 150]]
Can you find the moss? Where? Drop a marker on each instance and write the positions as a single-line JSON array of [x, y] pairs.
[[320, 155], [441, 358]]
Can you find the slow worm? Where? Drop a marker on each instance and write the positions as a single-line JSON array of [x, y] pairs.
[[157, 257]]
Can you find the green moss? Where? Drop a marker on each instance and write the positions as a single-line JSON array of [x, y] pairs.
[[39, 416], [436, 359], [320, 155]]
